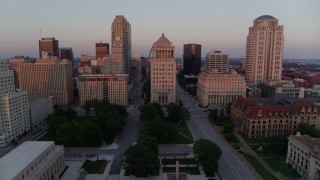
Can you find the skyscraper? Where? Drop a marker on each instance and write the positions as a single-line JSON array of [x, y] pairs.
[[49, 45], [14, 107], [121, 45], [264, 50], [102, 50], [163, 72], [66, 53], [217, 60], [191, 59]]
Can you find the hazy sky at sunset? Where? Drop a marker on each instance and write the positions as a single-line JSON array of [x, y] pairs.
[[216, 25]]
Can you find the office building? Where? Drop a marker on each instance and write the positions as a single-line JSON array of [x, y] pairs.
[[217, 60], [304, 155], [276, 116], [217, 90], [135, 70], [66, 53], [50, 46], [264, 50], [41, 160], [48, 77], [191, 59], [102, 50], [85, 59], [121, 45], [269, 88], [39, 110], [312, 92], [14, 107], [113, 88], [163, 72]]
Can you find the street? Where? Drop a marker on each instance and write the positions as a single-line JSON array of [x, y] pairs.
[[231, 166]]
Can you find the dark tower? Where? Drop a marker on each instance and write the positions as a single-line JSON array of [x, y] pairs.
[[192, 59]]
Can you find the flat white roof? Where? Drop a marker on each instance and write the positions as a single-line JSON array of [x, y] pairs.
[[15, 161]]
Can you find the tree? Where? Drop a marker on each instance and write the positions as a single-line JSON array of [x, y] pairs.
[[174, 112], [305, 128], [159, 129], [228, 108], [279, 144], [141, 161], [150, 111], [87, 106], [96, 104], [184, 114], [70, 113], [149, 142], [54, 122], [207, 154]]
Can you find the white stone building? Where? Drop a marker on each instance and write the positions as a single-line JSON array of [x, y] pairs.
[[14, 107], [39, 111], [304, 155], [163, 72], [36, 160]]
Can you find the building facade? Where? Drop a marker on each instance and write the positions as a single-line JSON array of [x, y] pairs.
[[279, 115], [264, 50], [39, 109], [113, 88], [304, 155], [163, 72], [217, 60], [269, 88], [217, 90], [49, 45], [39, 160], [102, 50], [66, 53], [135, 70], [48, 77], [121, 45], [14, 113], [191, 59]]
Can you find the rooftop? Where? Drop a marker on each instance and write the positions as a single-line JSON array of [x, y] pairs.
[[307, 141], [266, 17], [15, 161], [163, 41]]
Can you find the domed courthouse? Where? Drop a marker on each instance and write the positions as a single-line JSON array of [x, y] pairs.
[[163, 72]]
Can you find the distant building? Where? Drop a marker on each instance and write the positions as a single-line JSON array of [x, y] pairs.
[[85, 59], [269, 88], [14, 107], [39, 110], [33, 160], [312, 92], [102, 50], [121, 45], [217, 60], [279, 115], [304, 155], [217, 90], [113, 88], [191, 59], [49, 45], [135, 70], [145, 67], [163, 72], [66, 53], [264, 50], [48, 77]]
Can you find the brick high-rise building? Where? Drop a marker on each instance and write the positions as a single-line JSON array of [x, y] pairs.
[[163, 72], [14, 107], [102, 50], [121, 45], [49, 45], [191, 59], [48, 77], [264, 50]]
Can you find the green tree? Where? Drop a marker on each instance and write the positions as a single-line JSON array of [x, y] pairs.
[[149, 141], [305, 128], [141, 161], [228, 108], [184, 114], [207, 154], [159, 129], [70, 113], [174, 112], [87, 106], [279, 144], [149, 111], [96, 104], [54, 122]]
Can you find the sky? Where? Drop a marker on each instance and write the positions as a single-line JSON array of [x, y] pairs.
[[216, 25]]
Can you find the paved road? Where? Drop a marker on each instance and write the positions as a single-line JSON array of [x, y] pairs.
[[231, 166]]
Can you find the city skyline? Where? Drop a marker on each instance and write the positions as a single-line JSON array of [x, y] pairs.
[[215, 25]]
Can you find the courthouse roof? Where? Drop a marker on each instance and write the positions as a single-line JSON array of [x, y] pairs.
[[163, 41], [266, 17]]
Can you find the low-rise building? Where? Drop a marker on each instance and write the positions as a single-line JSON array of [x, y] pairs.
[[312, 92], [279, 115], [112, 87], [39, 160], [304, 155], [269, 88], [39, 111]]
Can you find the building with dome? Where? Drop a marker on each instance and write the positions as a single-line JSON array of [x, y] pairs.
[[264, 50], [163, 72]]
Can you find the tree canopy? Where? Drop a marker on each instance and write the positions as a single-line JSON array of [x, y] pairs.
[[150, 111], [305, 128], [207, 154]]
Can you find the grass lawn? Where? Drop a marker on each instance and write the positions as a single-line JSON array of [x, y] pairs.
[[47, 137], [95, 167], [184, 161], [231, 138], [256, 140], [190, 170], [183, 134], [279, 164], [259, 168]]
